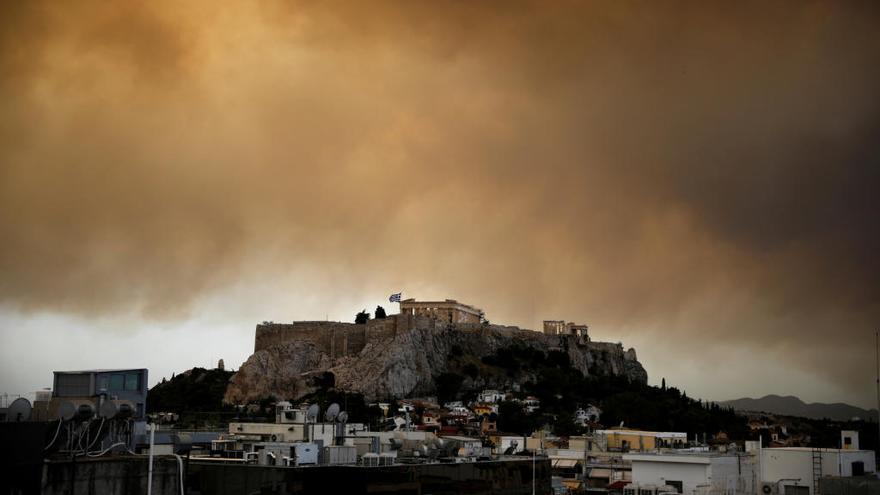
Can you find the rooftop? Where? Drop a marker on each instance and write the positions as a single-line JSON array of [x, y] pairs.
[[102, 370], [680, 457], [643, 433], [811, 449]]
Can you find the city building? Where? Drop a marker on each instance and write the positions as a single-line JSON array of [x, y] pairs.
[[560, 327], [123, 385], [531, 404], [484, 409], [589, 414], [849, 440], [625, 440], [577, 464], [450, 310], [693, 473], [490, 396], [798, 470], [508, 444]]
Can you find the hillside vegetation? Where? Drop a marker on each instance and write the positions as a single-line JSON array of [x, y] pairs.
[[562, 388]]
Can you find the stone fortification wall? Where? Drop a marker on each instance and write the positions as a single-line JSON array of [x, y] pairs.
[[331, 337], [610, 347], [338, 339], [111, 475]]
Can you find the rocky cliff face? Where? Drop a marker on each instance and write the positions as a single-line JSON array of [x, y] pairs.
[[408, 363]]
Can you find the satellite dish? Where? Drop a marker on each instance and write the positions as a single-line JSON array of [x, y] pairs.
[[332, 411], [19, 410], [342, 417], [66, 411], [84, 411], [124, 409], [313, 412], [107, 410]]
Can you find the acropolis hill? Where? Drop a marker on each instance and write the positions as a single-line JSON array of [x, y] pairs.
[[402, 355]]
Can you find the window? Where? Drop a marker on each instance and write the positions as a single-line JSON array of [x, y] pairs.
[[103, 383], [847, 440], [117, 382], [132, 381], [858, 468], [72, 385], [678, 485], [796, 490]]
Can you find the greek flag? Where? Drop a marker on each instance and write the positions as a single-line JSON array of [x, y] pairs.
[[395, 297]]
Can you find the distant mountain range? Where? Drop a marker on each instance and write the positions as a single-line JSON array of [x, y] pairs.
[[792, 406]]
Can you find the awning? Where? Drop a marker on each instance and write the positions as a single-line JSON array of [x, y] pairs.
[[565, 463], [572, 484], [600, 473]]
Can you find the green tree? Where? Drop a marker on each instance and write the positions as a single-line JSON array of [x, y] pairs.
[[448, 386], [362, 317], [471, 370], [513, 419], [566, 427]]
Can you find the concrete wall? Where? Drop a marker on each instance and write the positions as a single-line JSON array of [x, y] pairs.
[[734, 474], [690, 474], [698, 474], [797, 463], [847, 458], [110, 476], [779, 464], [21, 458], [507, 477], [862, 485]]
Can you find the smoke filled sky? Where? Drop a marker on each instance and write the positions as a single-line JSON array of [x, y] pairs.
[[696, 180]]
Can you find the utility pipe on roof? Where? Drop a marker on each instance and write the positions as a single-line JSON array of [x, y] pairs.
[[150, 468]]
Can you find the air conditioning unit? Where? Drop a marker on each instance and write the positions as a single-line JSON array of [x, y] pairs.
[[638, 489], [768, 488]]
